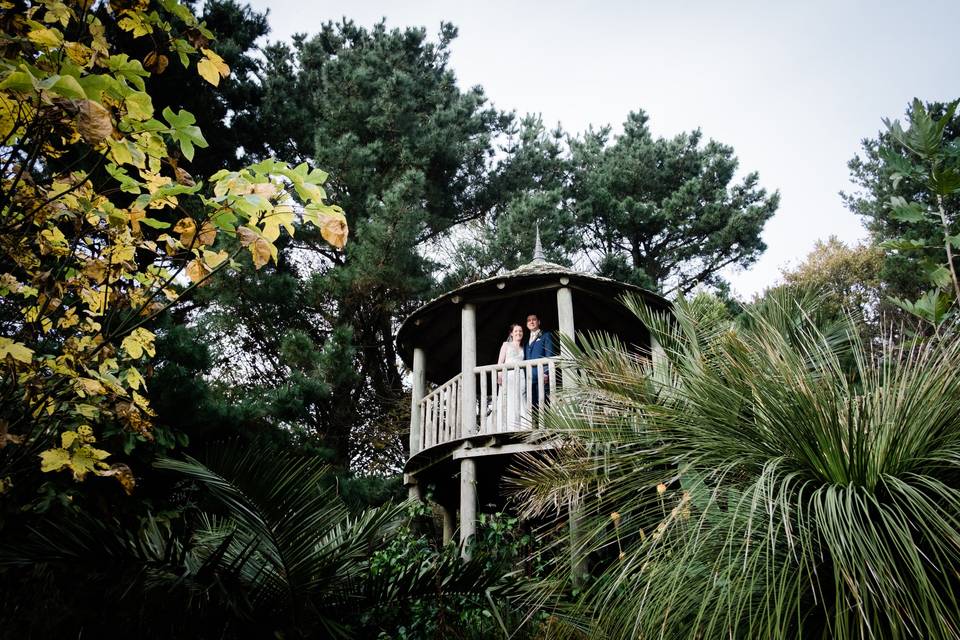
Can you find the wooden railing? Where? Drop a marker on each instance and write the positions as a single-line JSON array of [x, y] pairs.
[[505, 401], [508, 393], [440, 414]]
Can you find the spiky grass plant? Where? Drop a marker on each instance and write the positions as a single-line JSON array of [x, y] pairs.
[[766, 478]]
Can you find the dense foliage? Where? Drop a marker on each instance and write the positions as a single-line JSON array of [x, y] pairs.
[[261, 544], [908, 182], [104, 228], [751, 484], [848, 282]]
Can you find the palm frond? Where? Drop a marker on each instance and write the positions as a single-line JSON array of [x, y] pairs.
[[770, 478]]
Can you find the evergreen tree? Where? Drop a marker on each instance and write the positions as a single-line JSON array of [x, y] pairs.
[[408, 152], [528, 190], [664, 214]]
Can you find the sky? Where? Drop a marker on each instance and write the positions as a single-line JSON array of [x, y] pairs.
[[793, 87]]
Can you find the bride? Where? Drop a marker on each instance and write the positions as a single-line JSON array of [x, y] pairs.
[[511, 397]]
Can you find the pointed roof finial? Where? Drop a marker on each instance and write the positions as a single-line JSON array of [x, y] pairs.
[[538, 248]]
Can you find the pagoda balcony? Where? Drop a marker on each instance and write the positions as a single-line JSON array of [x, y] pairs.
[[441, 410]]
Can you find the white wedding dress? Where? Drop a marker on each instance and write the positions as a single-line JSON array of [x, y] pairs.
[[512, 395]]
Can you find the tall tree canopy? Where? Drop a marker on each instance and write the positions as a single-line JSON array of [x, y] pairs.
[[314, 337], [667, 214]]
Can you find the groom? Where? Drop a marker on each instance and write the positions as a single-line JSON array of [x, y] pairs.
[[539, 345]]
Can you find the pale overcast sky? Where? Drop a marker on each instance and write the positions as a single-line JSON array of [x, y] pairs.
[[793, 87]]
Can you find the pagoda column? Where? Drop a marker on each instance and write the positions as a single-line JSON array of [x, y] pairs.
[[419, 386], [565, 316], [416, 418], [468, 426]]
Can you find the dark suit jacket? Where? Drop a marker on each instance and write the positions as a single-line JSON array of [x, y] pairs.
[[542, 347]]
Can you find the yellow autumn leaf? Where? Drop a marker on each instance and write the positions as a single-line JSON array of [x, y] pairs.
[[70, 319], [79, 54], [139, 341], [197, 270], [54, 460], [270, 231], [96, 302], [87, 459], [88, 411], [282, 216], [214, 259], [58, 12], [143, 403], [135, 379], [136, 215], [13, 114], [331, 221], [67, 438], [46, 37], [99, 41], [123, 253], [88, 387], [53, 241], [135, 22], [15, 350], [212, 67], [262, 251], [187, 228]]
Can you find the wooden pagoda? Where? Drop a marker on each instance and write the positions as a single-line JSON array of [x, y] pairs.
[[460, 444]]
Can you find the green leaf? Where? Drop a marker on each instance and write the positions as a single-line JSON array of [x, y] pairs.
[[933, 306], [128, 184], [906, 211], [903, 244], [156, 224], [184, 131], [18, 81], [69, 87], [167, 190], [925, 136], [940, 276], [130, 70], [95, 86], [945, 181], [139, 106]]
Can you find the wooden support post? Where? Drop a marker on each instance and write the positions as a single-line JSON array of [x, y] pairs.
[[419, 386], [468, 361], [414, 490], [468, 504], [565, 315], [449, 523]]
